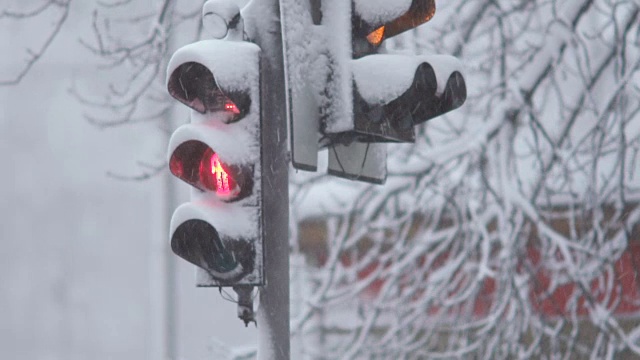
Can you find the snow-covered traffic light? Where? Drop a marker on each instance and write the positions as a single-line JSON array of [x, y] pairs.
[[218, 153], [364, 96], [389, 93]]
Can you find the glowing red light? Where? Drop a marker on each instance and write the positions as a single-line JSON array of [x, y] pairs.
[[231, 107], [222, 178], [199, 166], [215, 176]]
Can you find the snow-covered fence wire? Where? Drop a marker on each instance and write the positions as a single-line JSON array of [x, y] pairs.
[[507, 230]]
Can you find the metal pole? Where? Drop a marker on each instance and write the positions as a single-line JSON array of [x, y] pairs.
[[273, 313]]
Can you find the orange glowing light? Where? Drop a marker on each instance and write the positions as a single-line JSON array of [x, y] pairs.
[[376, 36]]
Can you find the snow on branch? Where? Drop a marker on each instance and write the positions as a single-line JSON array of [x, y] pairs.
[[60, 11], [510, 229], [138, 62]]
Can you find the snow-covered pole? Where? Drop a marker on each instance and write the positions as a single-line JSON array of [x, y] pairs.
[[262, 24]]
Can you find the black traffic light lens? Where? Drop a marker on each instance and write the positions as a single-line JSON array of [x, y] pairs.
[[225, 259]]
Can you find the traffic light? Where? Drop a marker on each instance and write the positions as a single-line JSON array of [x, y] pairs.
[[390, 93], [364, 97], [218, 154]]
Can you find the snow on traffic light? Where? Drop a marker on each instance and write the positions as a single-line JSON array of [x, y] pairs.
[[218, 154], [363, 96]]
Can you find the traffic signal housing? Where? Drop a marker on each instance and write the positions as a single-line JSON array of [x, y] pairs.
[[408, 92], [363, 96], [389, 93], [219, 155]]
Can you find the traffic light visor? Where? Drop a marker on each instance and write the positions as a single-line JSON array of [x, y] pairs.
[[416, 89], [194, 85]]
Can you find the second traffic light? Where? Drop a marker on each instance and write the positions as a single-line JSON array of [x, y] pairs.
[[386, 94], [218, 154], [361, 96]]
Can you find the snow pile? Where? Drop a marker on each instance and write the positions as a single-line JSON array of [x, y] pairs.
[[380, 11], [233, 64], [382, 78]]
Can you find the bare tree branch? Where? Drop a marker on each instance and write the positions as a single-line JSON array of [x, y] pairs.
[[508, 240], [37, 53]]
